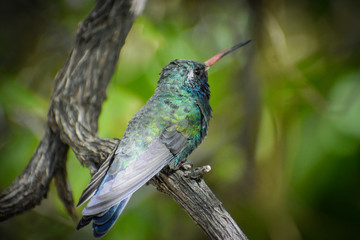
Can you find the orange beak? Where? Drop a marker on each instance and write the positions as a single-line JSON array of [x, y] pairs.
[[218, 56]]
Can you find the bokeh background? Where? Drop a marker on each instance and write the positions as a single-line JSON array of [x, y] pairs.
[[284, 141]]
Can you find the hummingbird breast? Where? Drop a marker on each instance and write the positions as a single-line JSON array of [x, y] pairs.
[[168, 109]]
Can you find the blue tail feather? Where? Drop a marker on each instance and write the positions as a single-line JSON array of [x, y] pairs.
[[103, 221], [102, 224]]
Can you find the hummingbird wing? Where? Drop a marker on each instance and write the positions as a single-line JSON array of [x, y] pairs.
[[122, 183], [96, 180]]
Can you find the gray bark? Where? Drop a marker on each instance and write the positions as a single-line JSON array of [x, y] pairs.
[[78, 94], [189, 190]]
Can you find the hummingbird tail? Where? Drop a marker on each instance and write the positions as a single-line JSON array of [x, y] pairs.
[[103, 221]]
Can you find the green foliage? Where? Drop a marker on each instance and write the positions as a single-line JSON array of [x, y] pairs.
[[284, 139]]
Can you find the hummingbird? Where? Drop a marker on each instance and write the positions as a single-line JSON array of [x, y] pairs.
[[165, 131]]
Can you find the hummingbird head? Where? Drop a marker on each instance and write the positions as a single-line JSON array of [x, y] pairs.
[[191, 76], [182, 75]]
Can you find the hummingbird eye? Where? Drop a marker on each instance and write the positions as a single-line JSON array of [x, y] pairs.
[[197, 71]]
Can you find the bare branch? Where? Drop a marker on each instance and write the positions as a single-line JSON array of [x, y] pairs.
[[33, 184], [64, 190], [80, 87], [79, 91], [190, 191]]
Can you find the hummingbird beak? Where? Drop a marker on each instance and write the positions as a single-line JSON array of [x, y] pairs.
[[218, 56]]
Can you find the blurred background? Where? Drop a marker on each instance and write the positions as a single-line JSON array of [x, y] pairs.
[[284, 141]]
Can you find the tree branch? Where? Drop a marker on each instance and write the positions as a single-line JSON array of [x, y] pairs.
[[80, 87], [79, 91], [189, 190], [78, 94], [33, 183]]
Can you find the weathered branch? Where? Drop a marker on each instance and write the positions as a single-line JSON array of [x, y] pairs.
[[33, 183], [189, 190], [80, 87], [79, 91]]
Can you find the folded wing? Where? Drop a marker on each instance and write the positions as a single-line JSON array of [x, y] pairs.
[[124, 182]]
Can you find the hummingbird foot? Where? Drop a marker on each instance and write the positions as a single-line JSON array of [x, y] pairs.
[[186, 166], [198, 172]]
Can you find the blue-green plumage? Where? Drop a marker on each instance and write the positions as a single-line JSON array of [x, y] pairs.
[[165, 131]]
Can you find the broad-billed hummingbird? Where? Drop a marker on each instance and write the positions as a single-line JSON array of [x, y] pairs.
[[165, 131]]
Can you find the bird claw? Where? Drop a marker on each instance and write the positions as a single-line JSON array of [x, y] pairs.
[[186, 166], [198, 172]]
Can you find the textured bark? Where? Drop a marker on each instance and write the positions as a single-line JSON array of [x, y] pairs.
[[79, 91], [33, 184], [78, 94], [189, 190], [80, 87]]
